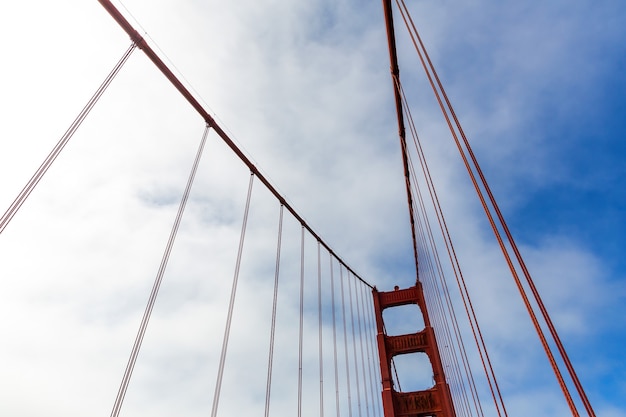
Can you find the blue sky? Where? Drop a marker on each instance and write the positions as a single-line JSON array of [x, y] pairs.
[[304, 88], [557, 159]]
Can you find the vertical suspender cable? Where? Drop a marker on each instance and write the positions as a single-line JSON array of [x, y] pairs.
[[231, 304], [443, 325], [374, 360], [301, 327], [359, 313], [345, 340], [395, 374], [459, 278], [511, 241], [188, 96], [433, 295], [319, 315], [157, 282], [370, 376], [270, 360], [436, 265], [45, 165], [354, 354], [479, 335], [453, 260], [332, 303]]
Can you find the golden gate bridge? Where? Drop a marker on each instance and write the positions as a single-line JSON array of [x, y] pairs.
[[320, 316]]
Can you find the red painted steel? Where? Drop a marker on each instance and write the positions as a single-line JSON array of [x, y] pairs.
[[395, 77], [436, 401]]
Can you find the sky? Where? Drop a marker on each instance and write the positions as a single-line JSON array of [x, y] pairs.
[[304, 89]]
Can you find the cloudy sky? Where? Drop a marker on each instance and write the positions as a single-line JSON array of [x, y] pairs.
[[304, 89]]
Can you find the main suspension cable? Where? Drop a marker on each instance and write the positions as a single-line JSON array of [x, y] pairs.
[[189, 97]]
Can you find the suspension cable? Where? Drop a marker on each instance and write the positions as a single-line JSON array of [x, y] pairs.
[[433, 297], [52, 156], [450, 305], [440, 316], [231, 304], [374, 361], [157, 282], [359, 321], [270, 360], [467, 303], [395, 373], [354, 353], [367, 348], [345, 339], [511, 241], [335, 364], [456, 266], [509, 237], [187, 95], [301, 327], [320, 322]]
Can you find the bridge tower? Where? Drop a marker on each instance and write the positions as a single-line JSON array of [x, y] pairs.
[[436, 401]]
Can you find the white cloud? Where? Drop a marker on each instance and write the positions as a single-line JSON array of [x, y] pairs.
[[305, 88]]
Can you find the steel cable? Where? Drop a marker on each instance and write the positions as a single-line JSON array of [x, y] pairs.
[[231, 303], [130, 366], [439, 214], [435, 269], [52, 156], [335, 362], [510, 239], [359, 321], [301, 327], [367, 349], [467, 166], [270, 360], [345, 339], [372, 339], [354, 353], [320, 331], [477, 333]]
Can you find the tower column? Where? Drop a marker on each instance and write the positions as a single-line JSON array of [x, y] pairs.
[[436, 401]]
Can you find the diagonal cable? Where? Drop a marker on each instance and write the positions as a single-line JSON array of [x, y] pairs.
[[231, 304], [157, 282], [52, 156]]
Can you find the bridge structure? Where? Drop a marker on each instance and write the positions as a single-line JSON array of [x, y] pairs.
[[307, 334]]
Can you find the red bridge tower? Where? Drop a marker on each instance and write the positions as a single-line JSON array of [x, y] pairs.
[[436, 401]]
